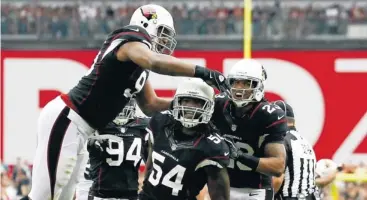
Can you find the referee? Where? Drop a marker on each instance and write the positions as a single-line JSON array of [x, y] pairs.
[[298, 180]]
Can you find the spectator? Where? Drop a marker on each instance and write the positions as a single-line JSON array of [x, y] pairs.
[[22, 183], [85, 19], [8, 191]]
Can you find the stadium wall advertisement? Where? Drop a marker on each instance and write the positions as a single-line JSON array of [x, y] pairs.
[[326, 88]]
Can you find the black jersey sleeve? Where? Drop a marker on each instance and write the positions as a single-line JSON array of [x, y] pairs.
[[216, 153], [272, 121], [132, 33]]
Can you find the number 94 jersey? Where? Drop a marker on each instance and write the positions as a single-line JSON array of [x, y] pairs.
[[176, 171], [264, 123], [116, 175]]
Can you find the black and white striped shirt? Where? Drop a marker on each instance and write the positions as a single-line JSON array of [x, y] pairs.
[[299, 177]]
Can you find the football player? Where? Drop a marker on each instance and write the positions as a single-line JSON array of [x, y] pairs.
[[123, 142], [119, 71], [187, 151], [115, 157], [255, 130], [298, 180]]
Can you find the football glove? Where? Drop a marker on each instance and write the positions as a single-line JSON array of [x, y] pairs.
[[213, 78]]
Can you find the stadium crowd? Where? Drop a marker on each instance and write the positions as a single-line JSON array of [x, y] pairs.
[[277, 21], [16, 182]]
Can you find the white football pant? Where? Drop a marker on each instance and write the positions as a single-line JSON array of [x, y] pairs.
[[57, 163]]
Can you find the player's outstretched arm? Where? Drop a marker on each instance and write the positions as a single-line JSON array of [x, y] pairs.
[[140, 54], [274, 162], [149, 102], [218, 183]]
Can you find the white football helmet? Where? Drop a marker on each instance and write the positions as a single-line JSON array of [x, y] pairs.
[[126, 114], [158, 22], [196, 89], [254, 75]]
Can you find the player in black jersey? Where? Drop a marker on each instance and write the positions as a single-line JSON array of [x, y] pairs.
[[119, 72], [115, 155], [187, 152], [115, 159], [255, 129]]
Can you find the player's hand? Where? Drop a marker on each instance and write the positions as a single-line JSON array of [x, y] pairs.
[[97, 146], [213, 78], [232, 147]]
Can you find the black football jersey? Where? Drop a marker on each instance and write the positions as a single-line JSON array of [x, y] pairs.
[[116, 176], [263, 123], [103, 92], [177, 165]]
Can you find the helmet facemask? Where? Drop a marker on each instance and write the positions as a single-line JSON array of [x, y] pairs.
[[192, 110], [245, 90], [164, 41], [126, 114]]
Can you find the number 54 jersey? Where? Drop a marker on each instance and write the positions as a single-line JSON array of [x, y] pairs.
[[176, 171], [264, 123]]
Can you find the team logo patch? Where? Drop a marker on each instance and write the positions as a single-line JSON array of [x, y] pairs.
[[149, 13], [234, 127]]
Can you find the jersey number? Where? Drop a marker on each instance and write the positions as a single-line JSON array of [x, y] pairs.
[[271, 109], [139, 84], [250, 151], [156, 174], [216, 139], [133, 154]]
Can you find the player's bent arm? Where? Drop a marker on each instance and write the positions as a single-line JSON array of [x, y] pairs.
[[141, 55], [274, 162], [277, 182], [218, 182], [324, 181], [149, 102]]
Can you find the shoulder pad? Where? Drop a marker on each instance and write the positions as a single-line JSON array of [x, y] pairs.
[[160, 119], [216, 150], [131, 33], [136, 29], [221, 101], [217, 145], [265, 109]]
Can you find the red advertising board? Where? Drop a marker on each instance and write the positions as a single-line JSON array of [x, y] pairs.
[[328, 90]]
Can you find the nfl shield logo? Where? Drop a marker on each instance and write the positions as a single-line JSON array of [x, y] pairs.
[[123, 130], [234, 127]]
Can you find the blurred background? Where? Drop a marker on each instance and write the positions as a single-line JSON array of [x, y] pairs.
[[299, 20], [325, 40]]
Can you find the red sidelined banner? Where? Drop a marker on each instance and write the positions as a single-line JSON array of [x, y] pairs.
[[328, 90]]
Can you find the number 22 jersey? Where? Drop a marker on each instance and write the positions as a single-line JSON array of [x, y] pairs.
[[264, 123], [176, 168]]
